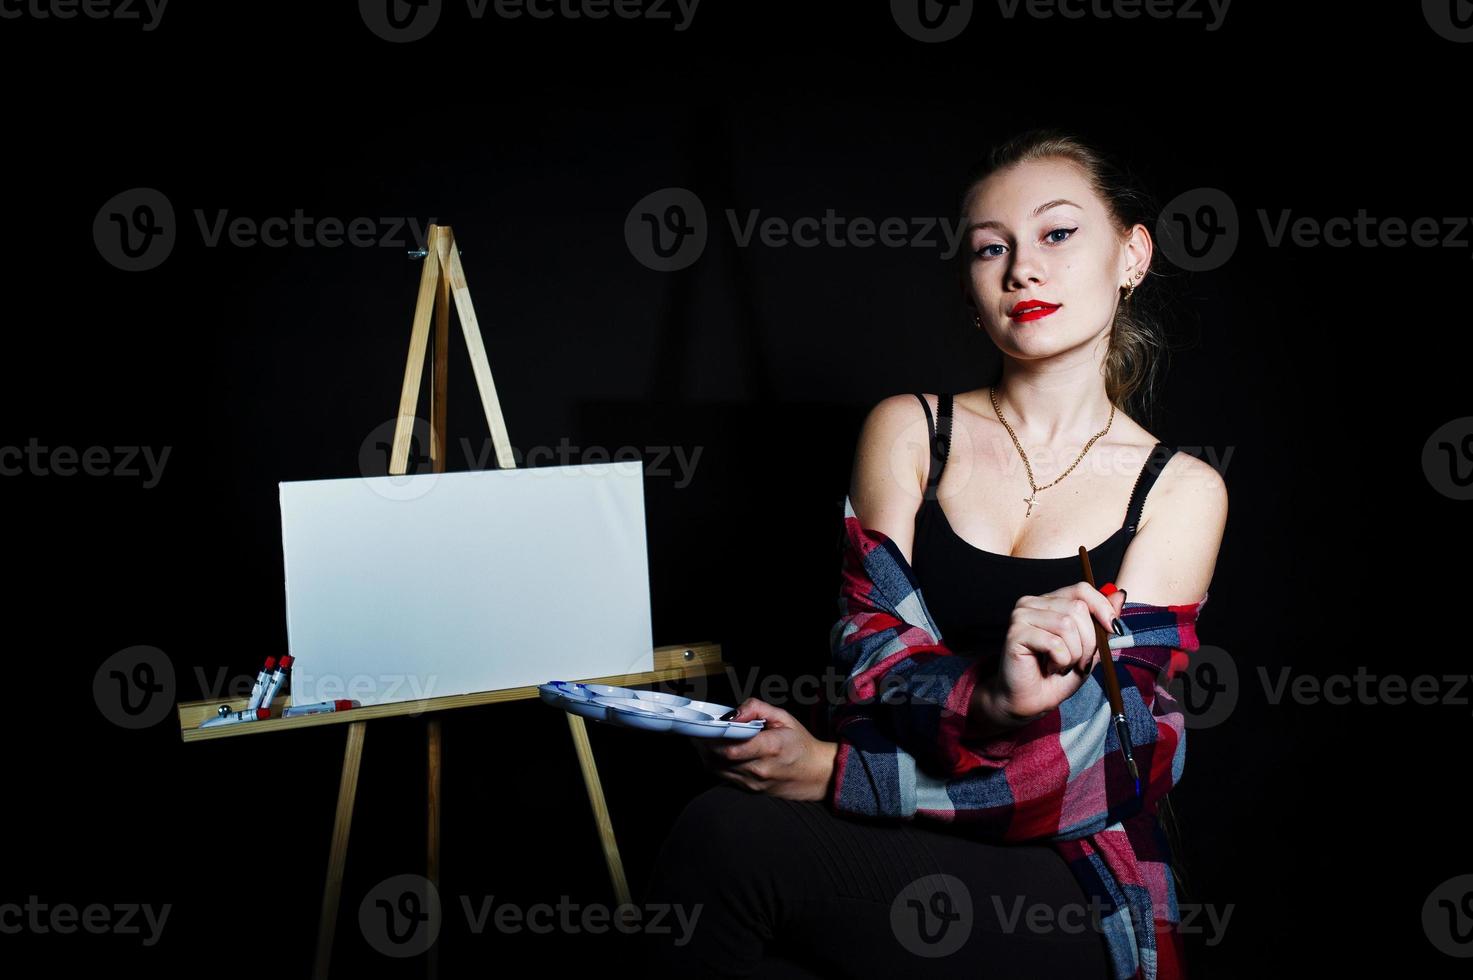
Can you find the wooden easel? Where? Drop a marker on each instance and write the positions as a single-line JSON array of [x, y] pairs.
[[442, 280]]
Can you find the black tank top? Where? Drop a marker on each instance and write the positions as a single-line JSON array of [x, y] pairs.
[[971, 592]]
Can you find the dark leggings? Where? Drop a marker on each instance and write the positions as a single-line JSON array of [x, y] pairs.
[[776, 888]]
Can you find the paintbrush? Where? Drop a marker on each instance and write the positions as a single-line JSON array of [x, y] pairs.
[[1112, 683]]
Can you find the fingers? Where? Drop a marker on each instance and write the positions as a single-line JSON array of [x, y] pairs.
[[1050, 643], [754, 708], [1101, 607], [1084, 625], [1062, 617], [748, 710], [743, 763], [750, 748], [758, 746]]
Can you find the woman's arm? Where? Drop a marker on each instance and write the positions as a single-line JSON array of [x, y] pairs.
[[1174, 552], [891, 464]]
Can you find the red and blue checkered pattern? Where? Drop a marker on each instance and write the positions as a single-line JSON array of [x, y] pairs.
[[905, 752]]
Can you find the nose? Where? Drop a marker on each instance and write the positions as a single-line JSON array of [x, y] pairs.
[[1025, 271]]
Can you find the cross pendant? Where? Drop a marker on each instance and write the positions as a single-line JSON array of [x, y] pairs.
[[1029, 501]]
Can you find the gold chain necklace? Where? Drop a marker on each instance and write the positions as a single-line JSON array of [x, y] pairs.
[[992, 393]]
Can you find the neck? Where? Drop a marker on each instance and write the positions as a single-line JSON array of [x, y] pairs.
[[1054, 405]]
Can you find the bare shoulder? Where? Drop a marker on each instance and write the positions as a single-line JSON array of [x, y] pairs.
[[1174, 553], [1191, 487], [897, 429], [891, 463]]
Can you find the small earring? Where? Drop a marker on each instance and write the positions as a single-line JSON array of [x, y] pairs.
[[977, 319], [1130, 287]]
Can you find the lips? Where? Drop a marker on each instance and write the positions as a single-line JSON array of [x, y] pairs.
[[1032, 309]]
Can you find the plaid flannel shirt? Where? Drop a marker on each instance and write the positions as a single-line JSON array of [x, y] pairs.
[[904, 751]]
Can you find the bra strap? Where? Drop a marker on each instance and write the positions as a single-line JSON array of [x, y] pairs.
[[939, 444], [1155, 463], [930, 422], [943, 405]]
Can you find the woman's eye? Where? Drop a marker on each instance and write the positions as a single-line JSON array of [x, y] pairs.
[[985, 254]]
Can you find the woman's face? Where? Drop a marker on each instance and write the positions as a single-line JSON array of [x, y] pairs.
[[1037, 231]]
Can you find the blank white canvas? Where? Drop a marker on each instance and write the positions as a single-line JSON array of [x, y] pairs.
[[436, 584]]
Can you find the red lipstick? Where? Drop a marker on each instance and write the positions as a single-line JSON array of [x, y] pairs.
[[1031, 309]]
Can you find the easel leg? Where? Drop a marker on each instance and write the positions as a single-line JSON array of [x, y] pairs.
[[342, 823], [579, 729], [432, 856]]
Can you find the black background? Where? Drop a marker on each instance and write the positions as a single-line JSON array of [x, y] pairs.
[[1322, 370]]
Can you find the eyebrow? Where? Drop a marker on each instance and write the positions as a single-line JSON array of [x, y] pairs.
[[1036, 212]]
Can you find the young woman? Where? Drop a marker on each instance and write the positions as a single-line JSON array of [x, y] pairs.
[[988, 494]]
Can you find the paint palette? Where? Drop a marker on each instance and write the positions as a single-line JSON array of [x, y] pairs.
[[654, 711]]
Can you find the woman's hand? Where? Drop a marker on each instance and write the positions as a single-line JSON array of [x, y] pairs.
[[782, 760], [1048, 652]]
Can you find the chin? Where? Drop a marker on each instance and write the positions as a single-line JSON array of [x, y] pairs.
[[1042, 345]]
